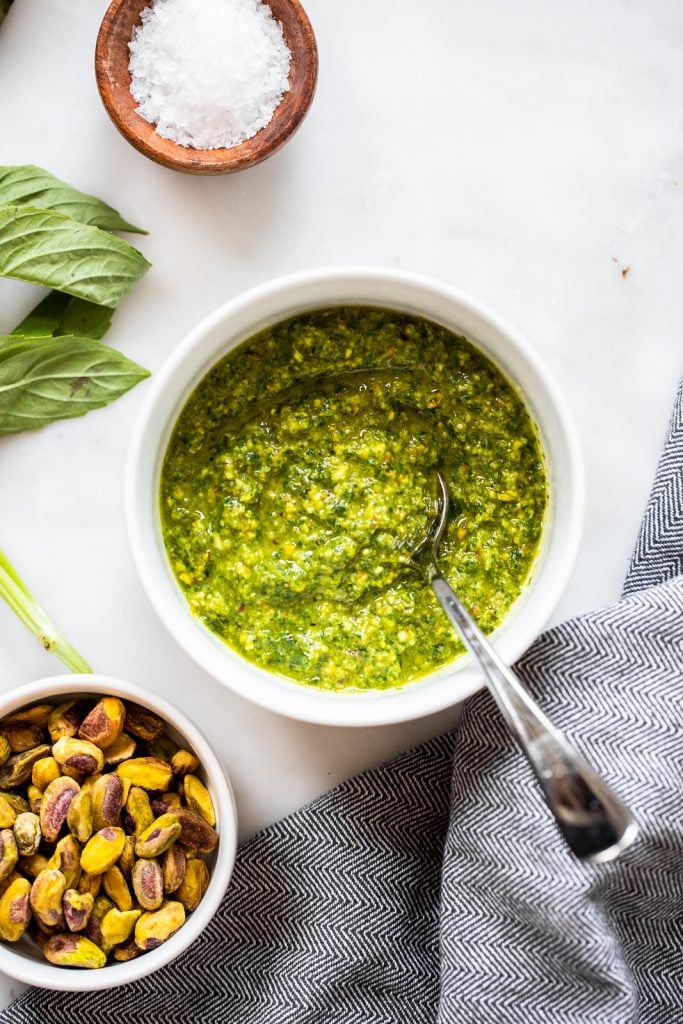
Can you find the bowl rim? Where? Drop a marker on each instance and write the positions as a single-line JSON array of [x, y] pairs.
[[50, 976], [296, 700]]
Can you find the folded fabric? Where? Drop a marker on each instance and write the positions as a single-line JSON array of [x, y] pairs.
[[437, 889]]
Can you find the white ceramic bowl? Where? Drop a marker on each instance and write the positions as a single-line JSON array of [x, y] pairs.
[[257, 309], [24, 960]]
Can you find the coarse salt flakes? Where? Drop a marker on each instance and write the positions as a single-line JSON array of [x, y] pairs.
[[208, 73]]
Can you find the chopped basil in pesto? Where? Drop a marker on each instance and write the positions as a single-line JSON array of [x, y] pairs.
[[301, 474]]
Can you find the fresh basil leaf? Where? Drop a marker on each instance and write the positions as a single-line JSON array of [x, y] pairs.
[[43, 379], [44, 247], [32, 186], [4, 8], [60, 314], [83, 319]]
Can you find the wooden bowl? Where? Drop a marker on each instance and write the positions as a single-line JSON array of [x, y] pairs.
[[113, 79]]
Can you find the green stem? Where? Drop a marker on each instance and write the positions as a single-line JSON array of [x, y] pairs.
[[17, 595]]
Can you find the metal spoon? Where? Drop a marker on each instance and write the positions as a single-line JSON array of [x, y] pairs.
[[596, 825]]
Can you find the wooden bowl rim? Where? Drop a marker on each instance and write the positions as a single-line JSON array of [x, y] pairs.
[[287, 118]]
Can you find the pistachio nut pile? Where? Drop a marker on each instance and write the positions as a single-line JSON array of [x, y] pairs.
[[103, 824]]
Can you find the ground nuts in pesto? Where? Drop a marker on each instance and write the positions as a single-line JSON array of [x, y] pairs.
[[301, 475], [102, 818]]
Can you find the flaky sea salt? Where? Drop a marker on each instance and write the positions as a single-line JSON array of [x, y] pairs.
[[208, 73]]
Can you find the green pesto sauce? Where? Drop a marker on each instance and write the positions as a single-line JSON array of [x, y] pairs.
[[301, 474]]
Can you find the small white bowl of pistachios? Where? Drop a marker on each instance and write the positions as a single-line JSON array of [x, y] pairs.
[[118, 833]]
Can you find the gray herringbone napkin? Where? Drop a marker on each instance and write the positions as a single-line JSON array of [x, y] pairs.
[[420, 892]]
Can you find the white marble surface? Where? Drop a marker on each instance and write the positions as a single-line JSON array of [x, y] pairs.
[[528, 153]]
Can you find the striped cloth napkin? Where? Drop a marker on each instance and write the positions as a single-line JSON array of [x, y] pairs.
[[435, 889]]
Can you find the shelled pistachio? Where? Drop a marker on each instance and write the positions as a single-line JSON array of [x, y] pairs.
[[138, 814], [15, 909], [79, 816], [9, 854], [67, 859], [90, 883], [54, 806], [8, 815], [120, 750], [74, 950], [66, 718], [45, 771], [198, 799], [157, 926], [157, 838], [148, 883], [19, 803], [116, 888], [173, 866], [146, 772], [117, 926], [102, 818], [127, 951], [104, 723], [17, 768], [183, 762], [77, 907], [107, 800], [36, 715], [101, 908], [127, 858], [27, 833], [34, 797], [33, 864], [194, 884], [47, 892]]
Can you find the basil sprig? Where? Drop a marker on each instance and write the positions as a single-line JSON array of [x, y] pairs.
[[32, 186], [4, 8], [60, 314], [53, 365], [42, 380], [44, 247]]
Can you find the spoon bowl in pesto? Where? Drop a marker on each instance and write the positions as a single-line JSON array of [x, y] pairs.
[[268, 482]]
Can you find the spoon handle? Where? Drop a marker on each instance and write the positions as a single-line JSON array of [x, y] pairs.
[[596, 825]]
